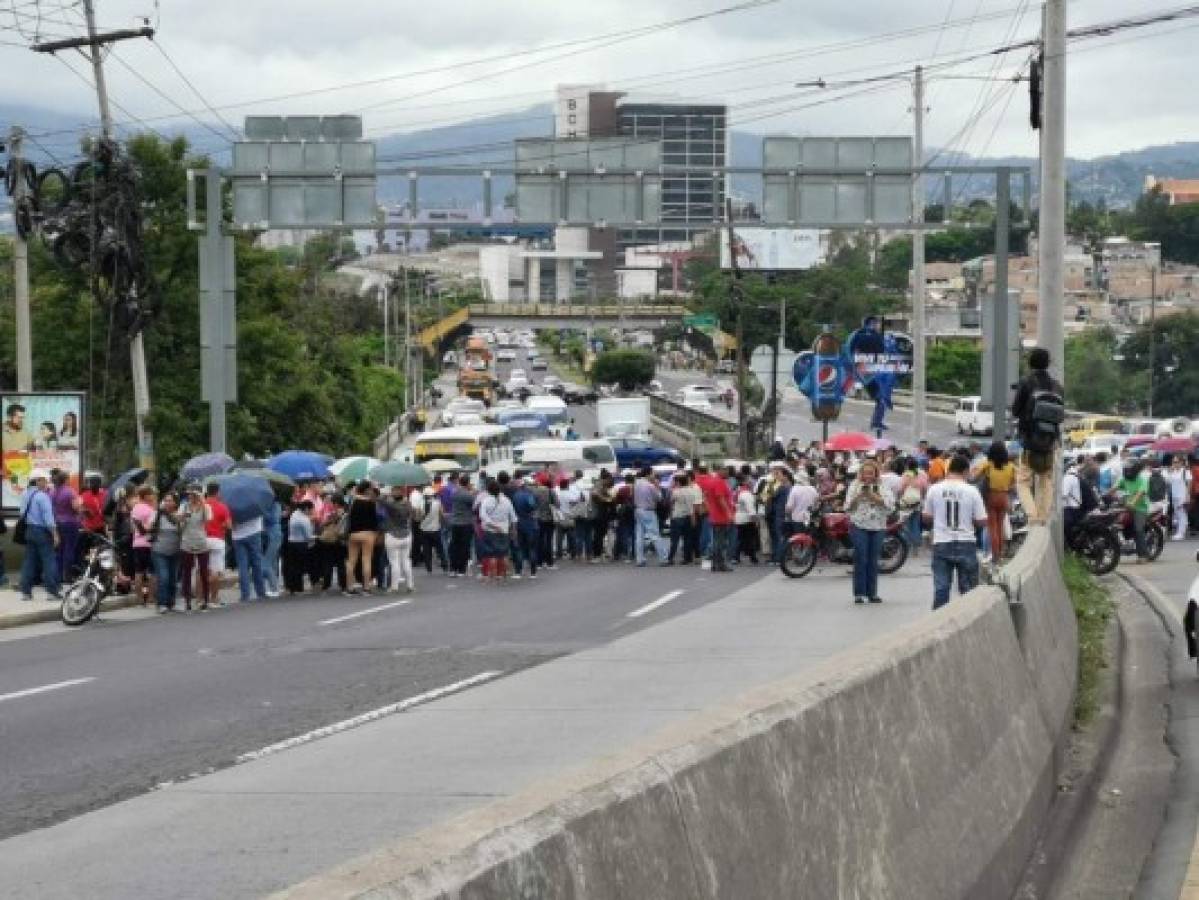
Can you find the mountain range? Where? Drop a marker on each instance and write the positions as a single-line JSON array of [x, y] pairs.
[[1116, 179]]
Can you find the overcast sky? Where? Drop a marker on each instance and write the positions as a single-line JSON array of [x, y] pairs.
[[1126, 91]]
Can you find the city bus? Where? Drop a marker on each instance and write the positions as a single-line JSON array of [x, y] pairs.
[[477, 448], [524, 424]]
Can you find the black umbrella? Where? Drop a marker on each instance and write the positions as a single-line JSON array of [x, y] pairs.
[[121, 484]]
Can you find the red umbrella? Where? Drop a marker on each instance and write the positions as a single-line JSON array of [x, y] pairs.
[[1174, 445], [850, 441]]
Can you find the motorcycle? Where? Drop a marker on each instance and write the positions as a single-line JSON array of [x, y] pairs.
[[829, 538], [1096, 539], [81, 599], [1155, 532]]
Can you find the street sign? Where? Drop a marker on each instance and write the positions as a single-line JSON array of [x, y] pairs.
[[700, 320], [862, 196], [303, 172], [568, 181]]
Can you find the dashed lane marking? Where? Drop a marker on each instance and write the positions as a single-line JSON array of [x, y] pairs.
[[365, 612], [58, 685]]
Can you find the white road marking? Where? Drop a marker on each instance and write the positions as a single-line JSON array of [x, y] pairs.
[[371, 716], [15, 695], [650, 607], [365, 612]]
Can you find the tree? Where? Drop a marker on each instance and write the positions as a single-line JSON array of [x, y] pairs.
[[955, 367], [1175, 375], [631, 369], [1093, 383]]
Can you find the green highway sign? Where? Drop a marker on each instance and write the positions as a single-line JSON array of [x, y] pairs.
[[701, 320]]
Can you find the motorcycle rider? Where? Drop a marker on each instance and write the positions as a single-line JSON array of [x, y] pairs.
[[1133, 490]]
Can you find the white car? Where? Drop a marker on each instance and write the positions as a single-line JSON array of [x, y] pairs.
[[520, 374], [462, 406], [538, 364], [974, 416], [505, 354], [551, 380]]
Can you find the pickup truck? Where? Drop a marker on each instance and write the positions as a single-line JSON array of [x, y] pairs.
[[633, 453]]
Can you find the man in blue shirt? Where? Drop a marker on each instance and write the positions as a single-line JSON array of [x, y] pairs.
[[41, 539]]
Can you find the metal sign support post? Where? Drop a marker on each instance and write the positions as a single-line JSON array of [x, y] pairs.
[[1001, 377], [218, 315], [919, 286], [21, 270]]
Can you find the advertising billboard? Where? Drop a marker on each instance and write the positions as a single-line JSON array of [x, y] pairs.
[[41, 431], [773, 249]]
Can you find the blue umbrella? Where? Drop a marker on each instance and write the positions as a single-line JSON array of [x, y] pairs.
[[247, 496], [300, 465], [205, 466]]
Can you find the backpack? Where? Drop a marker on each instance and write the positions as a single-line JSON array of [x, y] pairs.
[[1158, 489]]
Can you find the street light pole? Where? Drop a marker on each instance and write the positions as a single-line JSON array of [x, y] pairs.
[[919, 287], [1152, 334], [21, 270]]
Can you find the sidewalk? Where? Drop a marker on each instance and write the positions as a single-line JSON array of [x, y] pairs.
[[42, 608], [281, 817]]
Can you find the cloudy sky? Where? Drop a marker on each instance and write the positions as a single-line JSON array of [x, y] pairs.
[[490, 57]]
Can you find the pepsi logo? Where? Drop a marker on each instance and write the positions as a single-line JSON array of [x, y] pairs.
[[827, 375]]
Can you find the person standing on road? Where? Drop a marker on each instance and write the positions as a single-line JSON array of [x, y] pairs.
[[955, 510], [745, 517], [67, 506], [869, 502], [646, 496], [778, 491], [429, 533], [397, 536], [719, 502], [297, 552], [528, 531], [217, 529], [363, 525], [193, 546], [142, 519], [546, 503], [462, 527], [601, 504], [331, 546], [1179, 479], [497, 520], [247, 550], [682, 519], [164, 550], [1000, 477], [41, 538], [272, 530]]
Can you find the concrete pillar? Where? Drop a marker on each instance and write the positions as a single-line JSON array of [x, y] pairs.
[[564, 281], [533, 279]]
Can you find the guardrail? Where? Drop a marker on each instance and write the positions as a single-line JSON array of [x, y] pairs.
[[694, 432]]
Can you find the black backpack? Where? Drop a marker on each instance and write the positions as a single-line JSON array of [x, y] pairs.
[[1046, 411], [1158, 489]]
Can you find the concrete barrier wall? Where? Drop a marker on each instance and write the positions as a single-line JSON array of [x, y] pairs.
[[918, 766]]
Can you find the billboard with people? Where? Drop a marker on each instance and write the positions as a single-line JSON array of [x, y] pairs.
[[41, 431], [774, 249]]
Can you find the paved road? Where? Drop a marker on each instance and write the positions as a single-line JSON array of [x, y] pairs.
[[169, 697]]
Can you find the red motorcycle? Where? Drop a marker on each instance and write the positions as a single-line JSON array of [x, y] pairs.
[[1155, 532], [829, 538]]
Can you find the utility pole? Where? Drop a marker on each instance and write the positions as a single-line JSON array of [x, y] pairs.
[[1001, 374], [779, 347], [737, 303], [386, 325], [1052, 228], [16, 138], [409, 393], [919, 286], [1152, 333], [137, 349]]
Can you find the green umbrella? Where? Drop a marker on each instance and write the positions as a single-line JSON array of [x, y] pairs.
[[399, 473], [353, 468]]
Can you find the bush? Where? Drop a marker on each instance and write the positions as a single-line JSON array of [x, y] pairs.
[[631, 369]]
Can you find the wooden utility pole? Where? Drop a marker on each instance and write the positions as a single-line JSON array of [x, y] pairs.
[[16, 138]]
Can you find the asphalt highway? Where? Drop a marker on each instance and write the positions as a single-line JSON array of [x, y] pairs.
[[94, 715]]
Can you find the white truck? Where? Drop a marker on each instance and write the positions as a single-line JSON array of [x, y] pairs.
[[623, 417], [974, 416]]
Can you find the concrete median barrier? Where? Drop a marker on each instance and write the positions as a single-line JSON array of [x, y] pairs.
[[917, 766]]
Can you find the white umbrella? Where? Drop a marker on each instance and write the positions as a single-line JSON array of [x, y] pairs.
[[353, 468]]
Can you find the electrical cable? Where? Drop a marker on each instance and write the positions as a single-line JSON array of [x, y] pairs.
[[138, 75], [158, 46]]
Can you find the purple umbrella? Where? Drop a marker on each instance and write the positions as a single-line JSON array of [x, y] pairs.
[[206, 465]]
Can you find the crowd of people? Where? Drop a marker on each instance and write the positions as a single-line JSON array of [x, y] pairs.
[[361, 538]]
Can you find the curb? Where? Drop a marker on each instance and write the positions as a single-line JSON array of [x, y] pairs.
[[46, 612], [1164, 874]]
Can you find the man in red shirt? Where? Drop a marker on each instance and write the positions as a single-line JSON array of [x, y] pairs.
[[718, 499], [216, 528]]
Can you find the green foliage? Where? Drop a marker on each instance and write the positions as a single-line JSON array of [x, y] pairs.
[[1093, 609], [1175, 374], [631, 369], [1094, 382], [1176, 228], [308, 354], [954, 367]]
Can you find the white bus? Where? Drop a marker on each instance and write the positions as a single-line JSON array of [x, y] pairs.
[[477, 448]]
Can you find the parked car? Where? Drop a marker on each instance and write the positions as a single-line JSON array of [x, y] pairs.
[[633, 453], [974, 416], [577, 393], [537, 364], [1093, 426], [505, 354]]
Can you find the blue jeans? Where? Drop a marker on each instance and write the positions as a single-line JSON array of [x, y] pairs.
[[867, 547], [249, 566], [956, 556], [526, 548], [583, 530], [646, 521], [270, 558], [704, 538], [723, 537], [166, 574], [39, 560], [682, 534], [914, 526]]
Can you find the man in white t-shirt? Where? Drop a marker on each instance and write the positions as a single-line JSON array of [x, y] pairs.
[[247, 547], [955, 510]]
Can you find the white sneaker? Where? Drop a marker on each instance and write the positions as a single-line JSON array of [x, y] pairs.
[[272, 594], [516, 576]]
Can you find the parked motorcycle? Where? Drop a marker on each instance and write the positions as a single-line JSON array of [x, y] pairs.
[[828, 538], [1096, 540], [1155, 532], [82, 597]]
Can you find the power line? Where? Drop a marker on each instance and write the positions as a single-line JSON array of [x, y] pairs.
[[112, 54], [157, 46]]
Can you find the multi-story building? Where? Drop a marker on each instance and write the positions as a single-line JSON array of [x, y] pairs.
[[1177, 190]]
